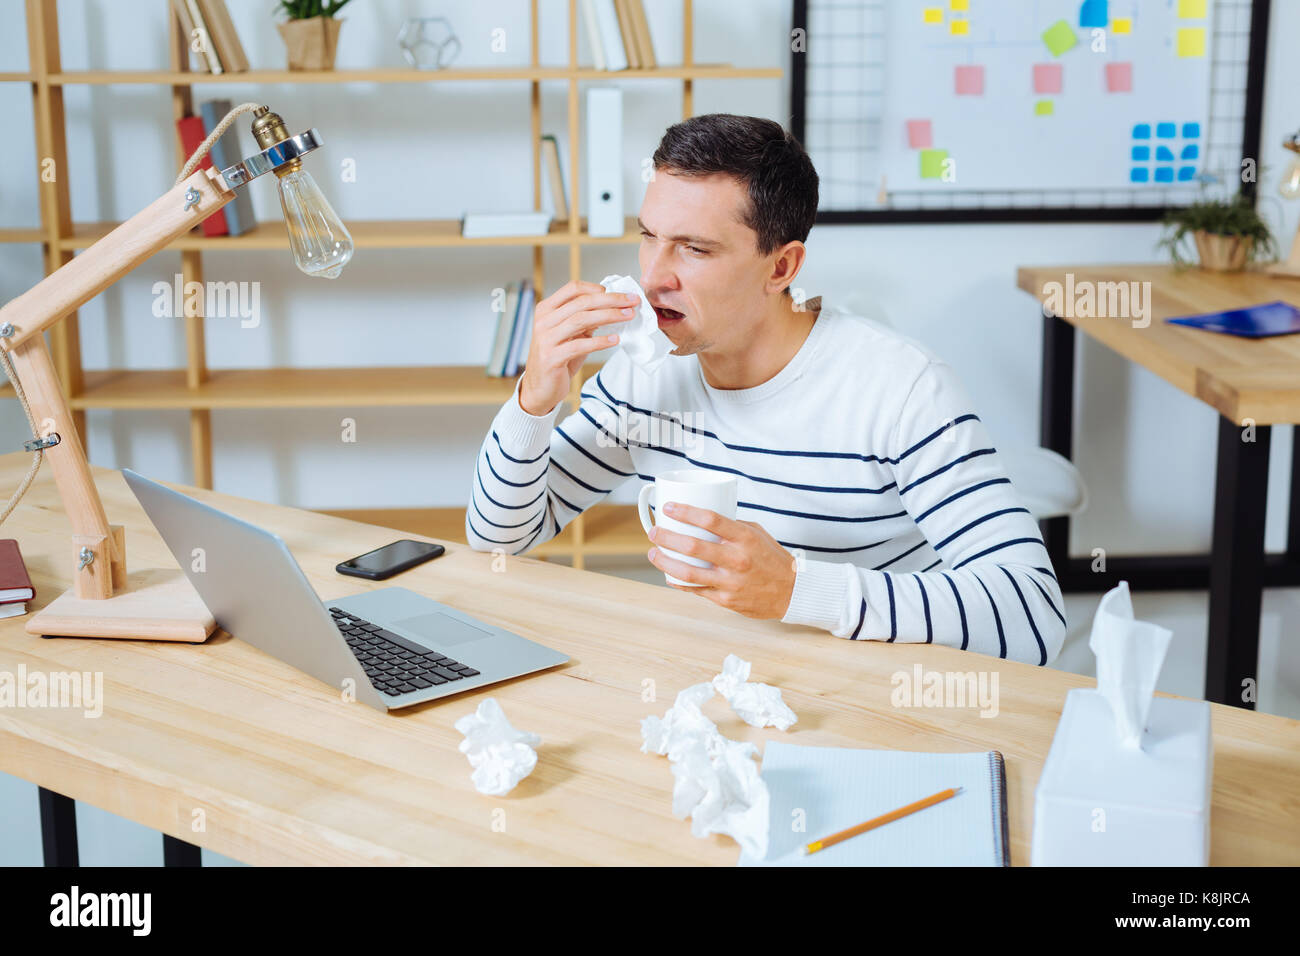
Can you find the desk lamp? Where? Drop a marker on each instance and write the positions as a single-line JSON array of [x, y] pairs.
[[1290, 189], [157, 603]]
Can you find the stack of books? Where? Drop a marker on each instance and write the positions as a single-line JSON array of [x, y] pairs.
[[618, 34], [236, 218], [15, 585], [211, 35], [514, 331]]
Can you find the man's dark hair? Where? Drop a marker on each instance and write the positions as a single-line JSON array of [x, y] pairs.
[[769, 162]]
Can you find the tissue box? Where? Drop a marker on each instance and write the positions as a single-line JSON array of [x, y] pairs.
[[1101, 804]]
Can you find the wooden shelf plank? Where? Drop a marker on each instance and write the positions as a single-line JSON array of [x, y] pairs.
[[611, 530], [170, 78], [366, 234], [296, 387], [21, 235], [15, 78]]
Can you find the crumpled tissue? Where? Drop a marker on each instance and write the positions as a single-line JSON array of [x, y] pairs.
[[500, 755], [716, 780], [759, 705], [640, 338], [1130, 654]]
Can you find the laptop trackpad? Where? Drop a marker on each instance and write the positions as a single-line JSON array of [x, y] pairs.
[[440, 630]]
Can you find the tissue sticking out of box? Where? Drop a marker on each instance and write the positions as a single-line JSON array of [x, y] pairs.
[[759, 705], [641, 338], [1129, 656], [716, 780], [500, 755]]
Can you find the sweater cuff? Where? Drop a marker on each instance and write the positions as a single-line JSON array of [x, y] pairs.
[[820, 592], [525, 435]]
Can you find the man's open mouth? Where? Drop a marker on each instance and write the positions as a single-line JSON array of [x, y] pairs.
[[668, 315]]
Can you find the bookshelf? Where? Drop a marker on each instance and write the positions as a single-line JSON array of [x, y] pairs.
[[606, 529]]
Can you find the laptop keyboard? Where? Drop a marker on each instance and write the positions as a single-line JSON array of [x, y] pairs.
[[394, 664]]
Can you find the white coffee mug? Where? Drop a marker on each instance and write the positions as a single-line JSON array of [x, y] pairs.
[[691, 486]]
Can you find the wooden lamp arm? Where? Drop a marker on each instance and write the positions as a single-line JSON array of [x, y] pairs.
[[24, 319]]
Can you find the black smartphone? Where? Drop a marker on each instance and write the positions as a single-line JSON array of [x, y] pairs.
[[391, 559]]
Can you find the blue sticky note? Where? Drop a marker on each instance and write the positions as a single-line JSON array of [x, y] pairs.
[[1191, 151], [1142, 131], [1191, 130], [1186, 174], [1094, 13], [1164, 174], [1164, 154], [1141, 154], [1138, 174], [1166, 130]]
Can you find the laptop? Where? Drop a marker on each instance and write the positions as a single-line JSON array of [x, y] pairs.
[[390, 648]]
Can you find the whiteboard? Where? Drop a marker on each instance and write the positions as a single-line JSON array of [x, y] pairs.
[[1024, 95]]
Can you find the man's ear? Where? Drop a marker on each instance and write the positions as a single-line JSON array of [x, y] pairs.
[[786, 263]]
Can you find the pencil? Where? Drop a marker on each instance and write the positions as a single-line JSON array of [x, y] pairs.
[[889, 817]]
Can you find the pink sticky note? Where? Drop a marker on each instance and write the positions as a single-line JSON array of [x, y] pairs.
[[919, 135], [1047, 77], [1119, 77], [969, 80]]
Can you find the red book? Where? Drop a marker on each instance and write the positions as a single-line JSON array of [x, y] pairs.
[[192, 134], [15, 585]]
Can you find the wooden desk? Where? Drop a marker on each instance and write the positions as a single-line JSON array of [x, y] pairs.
[[1252, 382], [286, 773]]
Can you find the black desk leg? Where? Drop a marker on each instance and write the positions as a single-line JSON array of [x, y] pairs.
[[1293, 512], [58, 828], [179, 853], [1056, 424], [1237, 565]]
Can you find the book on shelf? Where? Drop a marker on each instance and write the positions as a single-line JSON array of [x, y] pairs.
[[192, 136], [496, 362], [555, 178], [484, 225], [221, 31], [523, 330], [226, 153], [618, 34], [195, 28], [514, 331]]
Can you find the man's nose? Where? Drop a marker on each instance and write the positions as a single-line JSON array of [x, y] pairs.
[[656, 272]]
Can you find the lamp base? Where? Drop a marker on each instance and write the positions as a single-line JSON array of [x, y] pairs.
[[157, 604]]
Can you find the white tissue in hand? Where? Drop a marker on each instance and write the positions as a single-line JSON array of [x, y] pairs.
[[759, 705], [1129, 656], [640, 337], [500, 755]]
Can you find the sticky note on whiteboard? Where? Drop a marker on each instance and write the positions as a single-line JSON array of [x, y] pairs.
[[1047, 77], [1119, 77], [960, 28], [919, 134], [932, 161], [1059, 38], [959, 5], [1121, 25], [932, 15], [969, 80], [1191, 41], [1043, 108], [1192, 9]]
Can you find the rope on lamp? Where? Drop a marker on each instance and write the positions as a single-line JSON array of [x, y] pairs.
[[37, 453]]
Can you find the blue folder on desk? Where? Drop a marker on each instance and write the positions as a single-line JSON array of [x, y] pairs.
[[828, 789], [1256, 321]]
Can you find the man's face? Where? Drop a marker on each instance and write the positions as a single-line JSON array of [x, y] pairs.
[[700, 265]]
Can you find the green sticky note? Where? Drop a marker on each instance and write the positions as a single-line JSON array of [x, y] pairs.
[[932, 163], [1059, 37], [1043, 108]]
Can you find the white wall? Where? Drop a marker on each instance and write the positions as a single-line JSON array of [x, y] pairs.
[[431, 150]]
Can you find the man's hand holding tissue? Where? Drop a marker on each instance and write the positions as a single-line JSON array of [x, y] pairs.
[[752, 573], [562, 340]]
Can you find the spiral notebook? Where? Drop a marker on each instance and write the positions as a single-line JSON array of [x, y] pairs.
[[817, 791]]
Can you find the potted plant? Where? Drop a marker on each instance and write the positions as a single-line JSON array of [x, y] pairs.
[[311, 34], [1228, 233]]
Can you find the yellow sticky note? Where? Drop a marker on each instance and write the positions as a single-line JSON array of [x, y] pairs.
[[932, 15], [1043, 108], [1121, 25], [960, 28], [962, 5], [1191, 41], [1192, 9]]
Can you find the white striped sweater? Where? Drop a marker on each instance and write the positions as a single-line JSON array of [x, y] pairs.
[[862, 457]]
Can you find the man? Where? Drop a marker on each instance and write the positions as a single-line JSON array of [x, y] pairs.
[[871, 501]]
